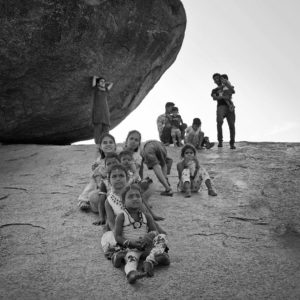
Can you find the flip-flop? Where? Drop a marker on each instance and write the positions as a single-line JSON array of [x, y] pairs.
[[167, 193]]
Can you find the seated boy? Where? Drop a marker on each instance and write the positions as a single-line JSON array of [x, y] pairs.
[[196, 137]]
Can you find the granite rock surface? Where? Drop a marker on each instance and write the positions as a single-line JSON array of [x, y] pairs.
[[50, 49], [242, 244]]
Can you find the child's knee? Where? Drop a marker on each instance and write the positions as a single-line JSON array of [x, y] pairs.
[[94, 200]]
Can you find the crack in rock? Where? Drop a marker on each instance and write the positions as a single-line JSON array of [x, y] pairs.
[[21, 224]]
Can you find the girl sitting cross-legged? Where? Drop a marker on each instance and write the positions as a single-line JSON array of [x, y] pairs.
[[191, 174], [118, 180], [131, 232]]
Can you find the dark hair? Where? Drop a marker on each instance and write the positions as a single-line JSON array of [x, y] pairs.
[[106, 134], [125, 152], [116, 167], [197, 121], [174, 108], [129, 187], [169, 104], [112, 155], [216, 75], [188, 146], [225, 76], [98, 79], [130, 133]]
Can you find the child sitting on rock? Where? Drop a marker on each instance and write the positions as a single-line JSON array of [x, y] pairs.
[[131, 226], [118, 180], [133, 143], [191, 174], [126, 159], [196, 137], [97, 199]]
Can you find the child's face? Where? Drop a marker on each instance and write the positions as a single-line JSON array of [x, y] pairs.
[[188, 154], [110, 162], [133, 199], [175, 113], [118, 179], [101, 83], [126, 160], [195, 127], [108, 145], [133, 141]]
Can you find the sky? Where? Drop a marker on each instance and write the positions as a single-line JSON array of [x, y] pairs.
[[255, 42]]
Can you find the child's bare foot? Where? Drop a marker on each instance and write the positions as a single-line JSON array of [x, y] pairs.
[[132, 276], [163, 259], [99, 222], [148, 268]]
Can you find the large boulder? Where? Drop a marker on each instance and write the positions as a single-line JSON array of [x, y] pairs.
[[50, 49]]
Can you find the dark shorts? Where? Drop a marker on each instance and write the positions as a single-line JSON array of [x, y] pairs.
[[154, 153]]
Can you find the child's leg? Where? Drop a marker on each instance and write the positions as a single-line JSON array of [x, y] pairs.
[[204, 175], [157, 254], [161, 174], [178, 137], [211, 191], [94, 200], [185, 178], [97, 205], [132, 259], [200, 138], [173, 134]]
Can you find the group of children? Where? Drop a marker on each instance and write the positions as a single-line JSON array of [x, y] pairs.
[[118, 192]]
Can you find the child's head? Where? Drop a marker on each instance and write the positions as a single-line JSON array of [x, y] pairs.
[[100, 82], [111, 159], [196, 123], [188, 151], [107, 144], [224, 76], [133, 140], [117, 177], [174, 110], [132, 196], [126, 157]]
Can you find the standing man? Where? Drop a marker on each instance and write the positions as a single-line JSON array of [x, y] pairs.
[[225, 108], [100, 109], [164, 125]]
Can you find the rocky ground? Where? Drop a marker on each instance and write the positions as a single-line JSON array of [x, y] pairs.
[[242, 244]]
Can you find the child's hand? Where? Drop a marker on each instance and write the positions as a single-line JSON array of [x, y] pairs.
[[95, 165], [136, 244]]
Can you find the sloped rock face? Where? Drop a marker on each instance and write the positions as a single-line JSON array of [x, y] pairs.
[[49, 51]]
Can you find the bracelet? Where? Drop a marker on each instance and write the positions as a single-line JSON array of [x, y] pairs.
[[126, 243]]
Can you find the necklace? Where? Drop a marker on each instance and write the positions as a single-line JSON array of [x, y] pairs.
[[133, 222]]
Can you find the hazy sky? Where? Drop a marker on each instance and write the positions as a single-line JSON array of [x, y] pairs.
[[257, 43]]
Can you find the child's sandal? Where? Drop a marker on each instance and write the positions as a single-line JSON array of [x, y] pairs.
[[167, 193]]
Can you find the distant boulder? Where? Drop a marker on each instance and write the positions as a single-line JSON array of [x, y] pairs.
[[49, 51]]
